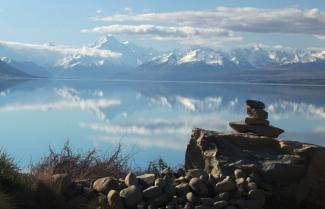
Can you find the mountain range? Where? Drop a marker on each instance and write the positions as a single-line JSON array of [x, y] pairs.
[[110, 58]]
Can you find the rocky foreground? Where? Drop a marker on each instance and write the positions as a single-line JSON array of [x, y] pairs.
[[245, 169]]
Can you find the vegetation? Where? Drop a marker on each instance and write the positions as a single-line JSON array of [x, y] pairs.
[[83, 165], [33, 190]]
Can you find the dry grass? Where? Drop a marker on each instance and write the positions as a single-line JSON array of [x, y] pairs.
[[82, 165]]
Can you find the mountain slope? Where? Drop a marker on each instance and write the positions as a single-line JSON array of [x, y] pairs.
[[7, 71], [29, 68], [130, 55]]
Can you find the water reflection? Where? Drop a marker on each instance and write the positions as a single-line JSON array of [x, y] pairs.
[[153, 118]]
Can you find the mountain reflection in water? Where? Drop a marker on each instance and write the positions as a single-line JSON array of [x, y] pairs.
[[154, 119]]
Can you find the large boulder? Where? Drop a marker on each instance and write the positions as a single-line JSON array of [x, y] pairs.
[[292, 173]]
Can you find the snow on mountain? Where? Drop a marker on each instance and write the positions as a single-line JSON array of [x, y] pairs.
[[109, 53], [240, 58], [47, 55], [130, 55]]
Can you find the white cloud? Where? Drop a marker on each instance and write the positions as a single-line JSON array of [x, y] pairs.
[[128, 10], [136, 129], [166, 142], [64, 50], [290, 20], [59, 105], [4, 93], [322, 37], [99, 11], [284, 109], [184, 34]]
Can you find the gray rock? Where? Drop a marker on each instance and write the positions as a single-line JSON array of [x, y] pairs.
[[240, 203], [251, 185], [223, 196], [170, 190], [160, 201], [207, 201], [131, 179], [258, 196], [225, 186], [141, 205], [190, 197], [61, 182], [257, 113], [188, 206], [255, 121], [269, 131], [199, 187], [160, 182], [255, 104], [220, 204], [105, 184], [198, 173], [131, 196], [204, 207], [239, 173], [253, 204], [231, 207], [182, 189], [114, 200], [149, 178], [151, 192], [101, 200]]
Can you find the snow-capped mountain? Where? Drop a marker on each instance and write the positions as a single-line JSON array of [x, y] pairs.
[[240, 58], [109, 56], [130, 55]]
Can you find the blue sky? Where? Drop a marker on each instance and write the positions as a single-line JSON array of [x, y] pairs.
[[61, 22]]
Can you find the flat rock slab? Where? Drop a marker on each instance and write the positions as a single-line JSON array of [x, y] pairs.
[[254, 121], [269, 131]]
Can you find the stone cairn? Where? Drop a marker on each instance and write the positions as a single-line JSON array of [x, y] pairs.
[[256, 122], [191, 189]]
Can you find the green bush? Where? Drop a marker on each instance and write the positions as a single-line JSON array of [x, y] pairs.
[[10, 177]]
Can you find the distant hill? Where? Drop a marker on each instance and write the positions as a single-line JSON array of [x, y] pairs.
[[6, 71]]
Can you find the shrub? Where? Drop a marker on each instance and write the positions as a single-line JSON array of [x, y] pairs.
[[10, 178], [82, 165]]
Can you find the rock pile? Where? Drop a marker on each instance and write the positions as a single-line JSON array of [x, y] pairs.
[[290, 173], [256, 122], [194, 189]]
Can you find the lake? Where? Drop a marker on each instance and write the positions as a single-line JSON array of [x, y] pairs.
[[150, 119]]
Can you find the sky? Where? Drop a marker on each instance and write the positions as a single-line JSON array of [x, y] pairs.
[[166, 24]]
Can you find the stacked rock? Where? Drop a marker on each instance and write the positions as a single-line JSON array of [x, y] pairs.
[[256, 122]]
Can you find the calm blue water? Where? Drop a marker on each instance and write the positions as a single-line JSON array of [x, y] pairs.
[[150, 119]]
